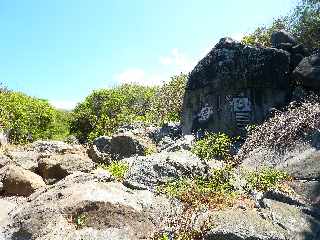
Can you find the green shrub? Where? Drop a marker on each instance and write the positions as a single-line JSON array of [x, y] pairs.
[[215, 191], [266, 179], [166, 104], [27, 118], [213, 145], [102, 112], [117, 169]]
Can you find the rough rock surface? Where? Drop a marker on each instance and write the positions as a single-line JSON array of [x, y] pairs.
[[111, 211], [54, 147], [308, 72], [150, 171], [25, 159], [233, 86], [18, 181], [281, 37], [122, 145], [4, 160], [277, 221], [57, 167]]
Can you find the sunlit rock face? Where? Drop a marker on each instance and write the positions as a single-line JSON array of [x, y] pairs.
[[233, 86]]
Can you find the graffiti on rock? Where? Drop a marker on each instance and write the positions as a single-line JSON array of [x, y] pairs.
[[242, 109], [205, 113]]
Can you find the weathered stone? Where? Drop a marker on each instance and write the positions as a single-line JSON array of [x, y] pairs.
[[21, 182], [279, 37], [57, 167], [303, 166], [102, 143], [308, 72], [171, 130], [25, 159], [111, 211], [97, 156], [150, 171], [233, 86], [310, 190], [4, 160], [126, 145], [51, 147], [278, 221]]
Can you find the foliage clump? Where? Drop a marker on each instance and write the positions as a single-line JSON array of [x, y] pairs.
[[105, 110], [166, 105], [27, 118], [303, 23], [266, 179], [215, 191], [117, 169], [213, 145], [102, 112]]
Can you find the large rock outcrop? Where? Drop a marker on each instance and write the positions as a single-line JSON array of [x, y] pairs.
[[233, 86], [308, 72], [107, 210]]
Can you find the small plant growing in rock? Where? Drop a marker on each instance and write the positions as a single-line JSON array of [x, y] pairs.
[[266, 179], [150, 150], [215, 191], [213, 145], [80, 220], [117, 169]]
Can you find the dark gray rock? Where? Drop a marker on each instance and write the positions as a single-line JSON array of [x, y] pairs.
[[233, 86], [102, 143], [151, 171], [280, 37], [126, 145], [308, 72], [170, 130]]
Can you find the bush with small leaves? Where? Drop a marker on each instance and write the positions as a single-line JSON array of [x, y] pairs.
[[213, 145], [117, 169], [266, 179]]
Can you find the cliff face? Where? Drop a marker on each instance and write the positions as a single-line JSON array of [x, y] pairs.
[[235, 85]]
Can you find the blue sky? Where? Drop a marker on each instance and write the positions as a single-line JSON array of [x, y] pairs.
[[63, 49]]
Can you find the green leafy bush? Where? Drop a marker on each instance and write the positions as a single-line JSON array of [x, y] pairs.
[[266, 179], [117, 169], [213, 145], [27, 118], [166, 104], [102, 112]]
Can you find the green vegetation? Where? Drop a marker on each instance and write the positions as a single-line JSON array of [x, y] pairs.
[[80, 220], [28, 119], [215, 191], [166, 105], [117, 169], [105, 110], [303, 23], [213, 145], [102, 112], [266, 179]]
